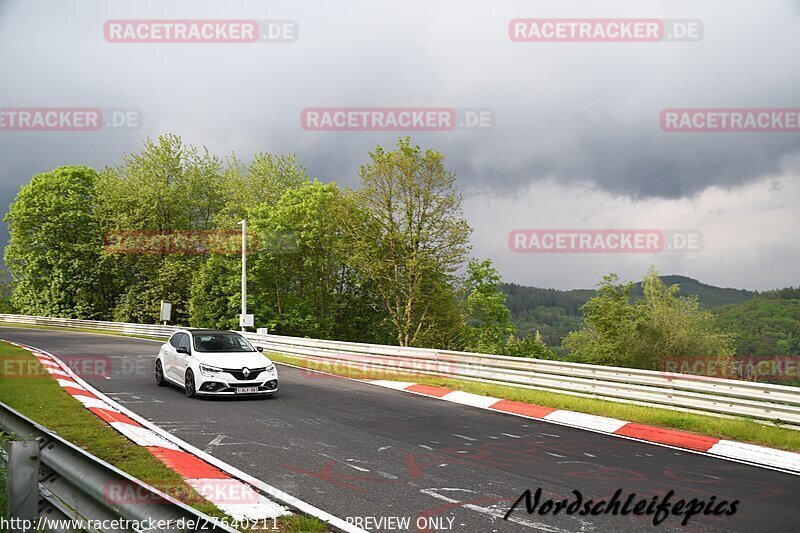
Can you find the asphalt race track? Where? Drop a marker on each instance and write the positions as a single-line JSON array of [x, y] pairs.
[[357, 450]]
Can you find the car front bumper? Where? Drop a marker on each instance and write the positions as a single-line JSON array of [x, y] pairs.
[[218, 387]]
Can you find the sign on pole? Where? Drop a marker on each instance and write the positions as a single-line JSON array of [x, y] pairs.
[[166, 311]]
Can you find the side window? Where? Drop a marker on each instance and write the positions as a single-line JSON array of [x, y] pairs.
[[184, 342], [175, 339]]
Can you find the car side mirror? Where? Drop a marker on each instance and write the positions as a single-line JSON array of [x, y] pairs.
[[183, 349], [260, 348]]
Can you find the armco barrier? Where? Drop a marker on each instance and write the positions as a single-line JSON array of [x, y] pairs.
[[52, 481], [150, 330], [724, 397]]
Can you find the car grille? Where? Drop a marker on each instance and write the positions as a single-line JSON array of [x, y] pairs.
[[239, 375]]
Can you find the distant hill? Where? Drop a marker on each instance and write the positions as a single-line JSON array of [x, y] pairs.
[[709, 295], [768, 324], [554, 313], [551, 312]]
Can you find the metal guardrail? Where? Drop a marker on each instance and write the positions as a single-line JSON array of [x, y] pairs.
[[118, 327], [766, 402], [708, 395], [56, 485]]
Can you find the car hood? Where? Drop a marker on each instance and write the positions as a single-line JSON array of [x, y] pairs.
[[234, 360]]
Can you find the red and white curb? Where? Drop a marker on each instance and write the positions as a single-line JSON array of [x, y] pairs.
[[215, 480], [725, 449]]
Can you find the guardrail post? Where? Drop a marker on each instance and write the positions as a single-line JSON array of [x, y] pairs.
[[23, 479]]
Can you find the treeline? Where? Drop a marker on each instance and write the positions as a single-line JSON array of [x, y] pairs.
[[760, 323], [385, 262], [556, 313], [553, 313], [620, 329], [768, 324]]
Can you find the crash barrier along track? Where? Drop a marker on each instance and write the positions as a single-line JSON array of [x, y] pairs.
[[52, 482], [724, 397]]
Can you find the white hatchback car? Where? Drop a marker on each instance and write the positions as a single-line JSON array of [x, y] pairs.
[[214, 362]]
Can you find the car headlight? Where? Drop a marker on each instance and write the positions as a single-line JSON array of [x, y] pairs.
[[270, 368], [210, 370]]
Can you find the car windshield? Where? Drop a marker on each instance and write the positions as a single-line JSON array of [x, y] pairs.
[[221, 342]]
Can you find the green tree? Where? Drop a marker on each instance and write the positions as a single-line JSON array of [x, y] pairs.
[[165, 188], [6, 290], [487, 319], [263, 182], [609, 317], [530, 346], [642, 333], [54, 245], [306, 286], [768, 324], [216, 293], [299, 260], [411, 234], [443, 326], [248, 192]]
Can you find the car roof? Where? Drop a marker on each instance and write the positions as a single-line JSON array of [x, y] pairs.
[[209, 331]]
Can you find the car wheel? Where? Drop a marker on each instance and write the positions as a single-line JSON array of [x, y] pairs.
[[160, 381], [188, 385]]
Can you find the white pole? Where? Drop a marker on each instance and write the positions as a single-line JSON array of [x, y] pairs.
[[244, 271]]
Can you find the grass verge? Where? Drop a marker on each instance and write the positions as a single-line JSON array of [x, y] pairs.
[[739, 429], [39, 397]]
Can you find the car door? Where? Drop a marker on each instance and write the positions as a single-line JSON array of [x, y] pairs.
[[171, 356], [181, 359]]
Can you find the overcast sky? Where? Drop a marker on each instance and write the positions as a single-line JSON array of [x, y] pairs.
[[575, 142]]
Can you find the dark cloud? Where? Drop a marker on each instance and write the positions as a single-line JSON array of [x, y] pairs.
[[565, 113]]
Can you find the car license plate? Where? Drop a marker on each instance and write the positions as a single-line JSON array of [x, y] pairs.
[[246, 390]]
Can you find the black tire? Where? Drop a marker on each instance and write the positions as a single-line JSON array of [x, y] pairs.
[[188, 384], [160, 381]]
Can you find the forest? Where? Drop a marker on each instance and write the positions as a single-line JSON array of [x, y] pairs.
[[387, 261]]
